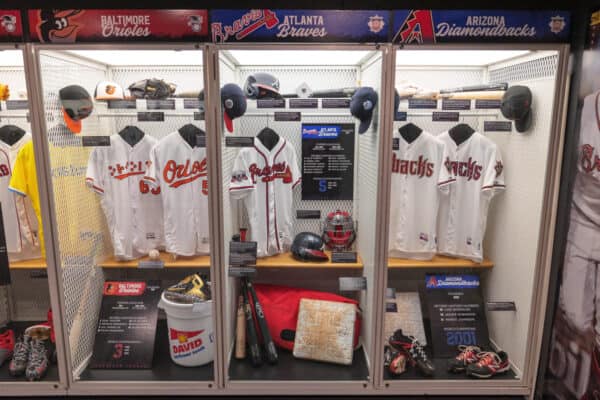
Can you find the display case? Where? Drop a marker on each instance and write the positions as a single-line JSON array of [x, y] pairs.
[[31, 351], [300, 174], [474, 155], [125, 136]]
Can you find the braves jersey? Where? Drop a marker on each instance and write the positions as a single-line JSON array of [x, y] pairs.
[[133, 210], [20, 223], [265, 180], [180, 172], [477, 167], [586, 192], [419, 177]]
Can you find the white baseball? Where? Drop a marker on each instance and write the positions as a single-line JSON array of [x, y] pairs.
[[154, 254]]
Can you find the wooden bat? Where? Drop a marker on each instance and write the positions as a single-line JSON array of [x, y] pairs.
[[252, 337], [240, 331], [483, 95], [269, 345], [477, 88]]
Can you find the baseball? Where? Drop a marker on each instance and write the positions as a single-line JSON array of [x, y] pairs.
[[154, 254]]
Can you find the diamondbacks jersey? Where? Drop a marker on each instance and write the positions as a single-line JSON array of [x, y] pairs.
[[265, 180], [477, 167], [181, 173], [132, 208], [586, 192], [419, 177], [18, 217]]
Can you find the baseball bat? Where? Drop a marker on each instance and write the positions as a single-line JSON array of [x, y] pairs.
[[477, 88], [255, 355], [268, 343], [240, 331], [482, 95]]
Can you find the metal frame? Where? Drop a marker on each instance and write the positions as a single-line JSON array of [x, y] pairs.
[[35, 86]]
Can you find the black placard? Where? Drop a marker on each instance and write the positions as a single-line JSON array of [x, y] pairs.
[[126, 104], [288, 116], [200, 140], [17, 104], [151, 116], [497, 126], [335, 103], [308, 214], [456, 104], [456, 312], [327, 161], [400, 116], [167, 104], [4, 267], [352, 283], [422, 103], [501, 306], [445, 116], [199, 115], [242, 253], [344, 257], [270, 103], [396, 143], [304, 103], [92, 141], [241, 272], [192, 103], [239, 141], [126, 325], [151, 264], [487, 104]]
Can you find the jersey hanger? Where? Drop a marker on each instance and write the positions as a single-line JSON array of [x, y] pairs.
[[131, 134], [268, 137], [460, 133], [410, 132], [189, 132], [11, 134]]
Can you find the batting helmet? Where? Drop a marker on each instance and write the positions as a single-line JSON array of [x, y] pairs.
[[338, 231], [262, 86], [308, 247]]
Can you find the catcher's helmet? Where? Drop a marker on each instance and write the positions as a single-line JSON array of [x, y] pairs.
[[308, 247], [261, 86], [338, 230]]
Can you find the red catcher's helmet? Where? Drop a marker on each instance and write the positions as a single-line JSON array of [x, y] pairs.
[[338, 231]]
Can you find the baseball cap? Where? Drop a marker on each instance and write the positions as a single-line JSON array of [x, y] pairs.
[[234, 104], [76, 104], [516, 105], [107, 90], [362, 105]]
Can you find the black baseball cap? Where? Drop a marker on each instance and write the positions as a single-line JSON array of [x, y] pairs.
[[362, 105], [234, 104], [76, 104], [516, 105]]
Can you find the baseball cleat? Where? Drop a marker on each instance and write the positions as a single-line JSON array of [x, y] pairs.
[[489, 364], [414, 350], [39, 359], [18, 364], [466, 357], [7, 345]]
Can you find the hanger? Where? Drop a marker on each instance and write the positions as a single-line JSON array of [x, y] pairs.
[[189, 133], [461, 133], [410, 132], [11, 134], [131, 134], [268, 137]]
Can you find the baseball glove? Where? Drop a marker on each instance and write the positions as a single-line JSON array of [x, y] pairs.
[[155, 89]]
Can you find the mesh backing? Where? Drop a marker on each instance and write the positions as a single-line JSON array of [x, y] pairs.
[[437, 78], [543, 67]]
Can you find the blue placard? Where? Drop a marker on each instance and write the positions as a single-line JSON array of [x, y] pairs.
[[267, 25], [452, 281], [467, 26], [321, 131]]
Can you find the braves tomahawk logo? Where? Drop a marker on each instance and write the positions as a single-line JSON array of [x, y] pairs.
[[416, 28], [590, 162], [271, 172], [175, 174], [244, 26], [420, 167], [57, 26]]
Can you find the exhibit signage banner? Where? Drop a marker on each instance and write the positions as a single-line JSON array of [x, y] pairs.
[[11, 27], [478, 26], [364, 26], [93, 26]]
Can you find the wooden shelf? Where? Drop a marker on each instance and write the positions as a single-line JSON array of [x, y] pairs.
[[438, 262], [36, 263], [286, 260], [180, 262]]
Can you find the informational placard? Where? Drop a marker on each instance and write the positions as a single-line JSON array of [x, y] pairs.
[[456, 104], [105, 26], [273, 25], [239, 141], [400, 116], [308, 214], [166, 104], [17, 104], [327, 161], [4, 267], [93, 141], [445, 116], [11, 27], [126, 325], [304, 103], [242, 253], [294, 116], [342, 257], [270, 103], [122, 104], [422, 103], [487, 104], [335, 103], [456, 313], [151, 116], [497, 126]]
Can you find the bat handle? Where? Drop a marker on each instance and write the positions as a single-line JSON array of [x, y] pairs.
[[255, 356], [272, 357]]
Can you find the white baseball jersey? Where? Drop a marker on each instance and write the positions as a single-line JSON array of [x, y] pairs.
[[181, 173], [419, 176], [133, 209], [586, 191], [477, 166], [20, 223], [265, 179]]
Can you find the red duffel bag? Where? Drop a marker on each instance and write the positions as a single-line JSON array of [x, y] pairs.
[[280, 305]]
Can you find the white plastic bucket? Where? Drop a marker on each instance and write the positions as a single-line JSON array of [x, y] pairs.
[[191, 337]]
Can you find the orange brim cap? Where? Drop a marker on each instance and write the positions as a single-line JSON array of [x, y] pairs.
[[74, 126]]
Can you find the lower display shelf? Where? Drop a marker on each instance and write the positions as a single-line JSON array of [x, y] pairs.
[[164, 369], [441, 373], [290, 368], [19, 327]]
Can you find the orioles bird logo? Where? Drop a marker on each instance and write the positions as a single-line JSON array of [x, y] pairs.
[[56, 26], [110, 89]]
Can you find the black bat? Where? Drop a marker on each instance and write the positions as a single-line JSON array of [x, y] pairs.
[[477, 88], [251, 336], [268, 343]]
